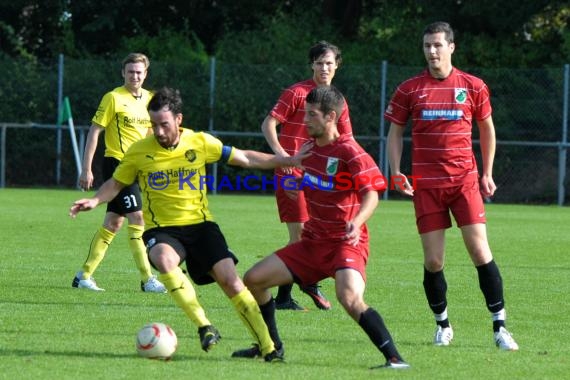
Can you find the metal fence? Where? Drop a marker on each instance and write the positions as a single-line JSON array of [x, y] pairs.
[[231, 100]]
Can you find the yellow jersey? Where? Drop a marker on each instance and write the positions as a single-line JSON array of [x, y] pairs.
[[173, 181], [125, 119]]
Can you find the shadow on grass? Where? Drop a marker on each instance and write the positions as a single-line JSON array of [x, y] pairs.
[[99, 355]]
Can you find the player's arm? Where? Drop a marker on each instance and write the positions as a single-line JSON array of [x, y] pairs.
[[368, 203], [269, 129], [395, 145], [488, 143], [106, 193], [86, 177], [258, 160]]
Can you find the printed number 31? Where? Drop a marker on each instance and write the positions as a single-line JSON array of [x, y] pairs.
[[130, 201]]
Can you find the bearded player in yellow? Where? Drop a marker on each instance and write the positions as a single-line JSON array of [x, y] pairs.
[[171, 167], [123, 115]]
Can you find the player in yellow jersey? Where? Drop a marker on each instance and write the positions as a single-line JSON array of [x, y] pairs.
[[170, 167], [123, 115]]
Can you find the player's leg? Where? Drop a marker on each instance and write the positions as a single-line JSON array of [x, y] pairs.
[[269, 272], [435, 285], [490, 282], [225, 274], [129, 203], [166, 253], [97, 249], [350, 293], [284, 300], [432, 218], [469, 211]]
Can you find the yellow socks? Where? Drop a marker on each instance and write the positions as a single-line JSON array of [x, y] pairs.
[[249, 312], [182, 292], [139, 251], [99, 245]]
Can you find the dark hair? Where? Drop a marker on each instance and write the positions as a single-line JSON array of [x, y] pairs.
[[321, 48], [136, 58], [329, 99], [440, 27], [166, 96]]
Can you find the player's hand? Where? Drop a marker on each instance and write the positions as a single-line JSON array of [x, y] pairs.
[[286, 170], [352, 233], [488, 186], [402, 185], [86, 179], [303, 153], [82, 205]]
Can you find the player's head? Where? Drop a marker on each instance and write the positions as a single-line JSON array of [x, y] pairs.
[[440, 27], [323, 106], [165, 110], [134, 70], [166, 97], [438, 46], [136, 58], [323, 47], [324, 59]]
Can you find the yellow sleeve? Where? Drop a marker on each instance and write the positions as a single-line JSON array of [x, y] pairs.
[[106, 110], [215, 149]]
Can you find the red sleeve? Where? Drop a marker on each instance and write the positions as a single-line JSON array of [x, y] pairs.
[[398, 110]]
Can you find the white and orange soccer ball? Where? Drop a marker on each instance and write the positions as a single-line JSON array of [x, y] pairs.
[[156, 341]]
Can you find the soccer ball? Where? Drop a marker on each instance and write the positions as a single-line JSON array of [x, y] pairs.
[[156, 341]]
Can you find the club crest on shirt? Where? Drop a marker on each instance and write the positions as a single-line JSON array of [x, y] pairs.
[[332, 165], [460, 95], [190, 155]]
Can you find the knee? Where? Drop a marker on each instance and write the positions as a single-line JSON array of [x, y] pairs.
[[113, 225], [136, 218], [164, 262], [250, 280], [433, 263], [348, 299], [353, 304]]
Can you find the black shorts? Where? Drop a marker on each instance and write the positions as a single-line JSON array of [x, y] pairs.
[[129, 199], [202, 244]]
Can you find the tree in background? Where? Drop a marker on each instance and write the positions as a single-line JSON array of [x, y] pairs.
[[491, 33]]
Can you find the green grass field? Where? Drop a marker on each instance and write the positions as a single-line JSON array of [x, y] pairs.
[[50, 331]]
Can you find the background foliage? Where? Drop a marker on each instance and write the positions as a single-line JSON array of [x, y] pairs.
[[491, 33], [261, 47]]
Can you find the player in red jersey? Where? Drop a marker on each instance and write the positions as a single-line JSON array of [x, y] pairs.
[[442, 103], [289, 112], [334, 241]]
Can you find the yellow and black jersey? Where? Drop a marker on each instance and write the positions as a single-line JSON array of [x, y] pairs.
[[125, 119], [173, 181]]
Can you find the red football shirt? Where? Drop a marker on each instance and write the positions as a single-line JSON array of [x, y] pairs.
[[442, 112], [335, 177], [290, 112]]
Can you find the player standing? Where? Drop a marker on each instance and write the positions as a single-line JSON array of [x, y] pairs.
[[122, 114], [289, 112], [442, 103]]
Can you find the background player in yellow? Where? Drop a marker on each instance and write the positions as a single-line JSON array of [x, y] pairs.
[[123, 115], [171, 167]]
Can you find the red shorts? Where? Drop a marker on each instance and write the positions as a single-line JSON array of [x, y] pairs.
[[291, 210], [433, 206], [310, 261]]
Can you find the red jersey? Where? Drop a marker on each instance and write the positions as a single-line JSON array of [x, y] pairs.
[[290, 112], [336, 175], [442, 112]]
